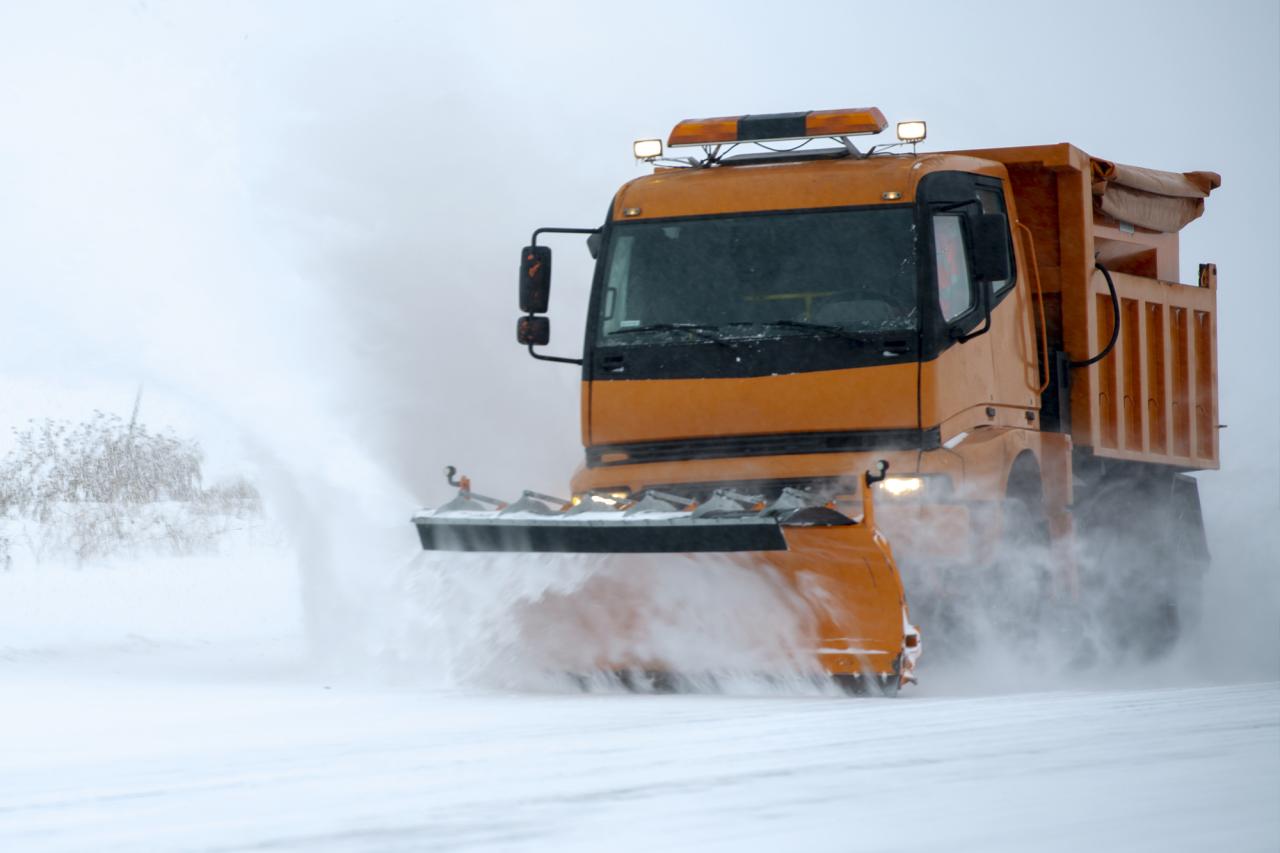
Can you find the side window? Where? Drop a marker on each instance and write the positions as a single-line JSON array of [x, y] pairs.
[[954, 294], [992, 201], [615, 295]]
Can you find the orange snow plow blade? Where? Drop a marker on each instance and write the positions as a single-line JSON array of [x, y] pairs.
[[842, 567], [848, 576]]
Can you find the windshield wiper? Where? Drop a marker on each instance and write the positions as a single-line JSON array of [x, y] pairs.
[[817, 327], [705, 332]]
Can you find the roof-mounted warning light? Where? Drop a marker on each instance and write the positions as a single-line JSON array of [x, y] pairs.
[[777, 126]]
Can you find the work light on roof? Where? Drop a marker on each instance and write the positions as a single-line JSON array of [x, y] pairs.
[[647, 149], [911, 131], [778, 126]]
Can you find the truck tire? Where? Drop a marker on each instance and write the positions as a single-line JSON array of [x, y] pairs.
[[1002, 596], [1144, 555], [1021, 567]]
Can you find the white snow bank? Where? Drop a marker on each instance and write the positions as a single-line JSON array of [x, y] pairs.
[[249, 592]]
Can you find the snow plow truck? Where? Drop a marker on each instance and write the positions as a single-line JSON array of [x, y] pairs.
[[798, 352]]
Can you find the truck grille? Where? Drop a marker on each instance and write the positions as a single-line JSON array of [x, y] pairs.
[[782, 444]]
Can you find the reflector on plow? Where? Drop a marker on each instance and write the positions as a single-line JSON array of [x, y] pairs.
[[841, 566]]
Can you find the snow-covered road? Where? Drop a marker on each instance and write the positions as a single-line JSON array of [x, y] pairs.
[[172, 705], [215, 748]]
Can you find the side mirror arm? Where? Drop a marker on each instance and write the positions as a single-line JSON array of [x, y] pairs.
[[541, 357], [533, 241], [961, 337], [984, 301]]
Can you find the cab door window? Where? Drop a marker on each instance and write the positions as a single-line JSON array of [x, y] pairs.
[[955, 296]]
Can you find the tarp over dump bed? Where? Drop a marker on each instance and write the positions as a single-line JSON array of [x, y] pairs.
[[1150, 198]]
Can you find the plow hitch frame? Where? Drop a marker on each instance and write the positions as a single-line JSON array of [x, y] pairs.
[[650, 521]]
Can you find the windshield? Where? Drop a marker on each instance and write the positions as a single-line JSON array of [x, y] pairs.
[[848, 271]]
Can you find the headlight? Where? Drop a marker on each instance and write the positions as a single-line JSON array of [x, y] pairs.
[[899, 486], [917, 487], [603, 497]]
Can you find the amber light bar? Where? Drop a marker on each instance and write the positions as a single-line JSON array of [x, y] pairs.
[[775, 126]]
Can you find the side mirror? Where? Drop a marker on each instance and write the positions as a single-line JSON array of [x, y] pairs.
[[990, 233], [533, 331], [535, 279], [593, 244]]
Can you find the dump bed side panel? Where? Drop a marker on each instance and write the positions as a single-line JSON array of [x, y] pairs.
[[1154, 398]]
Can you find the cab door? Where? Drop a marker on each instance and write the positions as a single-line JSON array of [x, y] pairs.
[[959, 381], [1015, 362], [957, 375]]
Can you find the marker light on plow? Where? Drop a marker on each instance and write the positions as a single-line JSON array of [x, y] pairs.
[[778, 126]]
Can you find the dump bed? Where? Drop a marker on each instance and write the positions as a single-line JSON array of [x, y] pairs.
[[1154, 397]]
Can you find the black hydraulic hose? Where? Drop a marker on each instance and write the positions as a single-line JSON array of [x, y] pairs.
[[1115, 321]]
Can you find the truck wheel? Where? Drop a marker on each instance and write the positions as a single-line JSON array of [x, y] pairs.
[[1144, 556], [1019, 587], [1000, 598]]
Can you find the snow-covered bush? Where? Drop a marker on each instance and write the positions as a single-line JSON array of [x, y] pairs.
[[102, 460], [106, 485]]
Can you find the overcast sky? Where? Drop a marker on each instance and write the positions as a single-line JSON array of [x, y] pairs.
[[297, 223]]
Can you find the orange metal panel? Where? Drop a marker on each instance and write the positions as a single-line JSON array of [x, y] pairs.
[[1139, 252], [1180, 416], [799, 466], [1130, 345], [1036, 194], [657, 409], [850, 571], [959, 381], [1157, 396], [788, 186], [1206, 387], [1106, 417], [1054, 157], [1163, 370], [584, 412], [1080, 317]]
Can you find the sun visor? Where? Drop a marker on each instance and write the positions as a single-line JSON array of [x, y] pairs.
[[1150, 198]]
